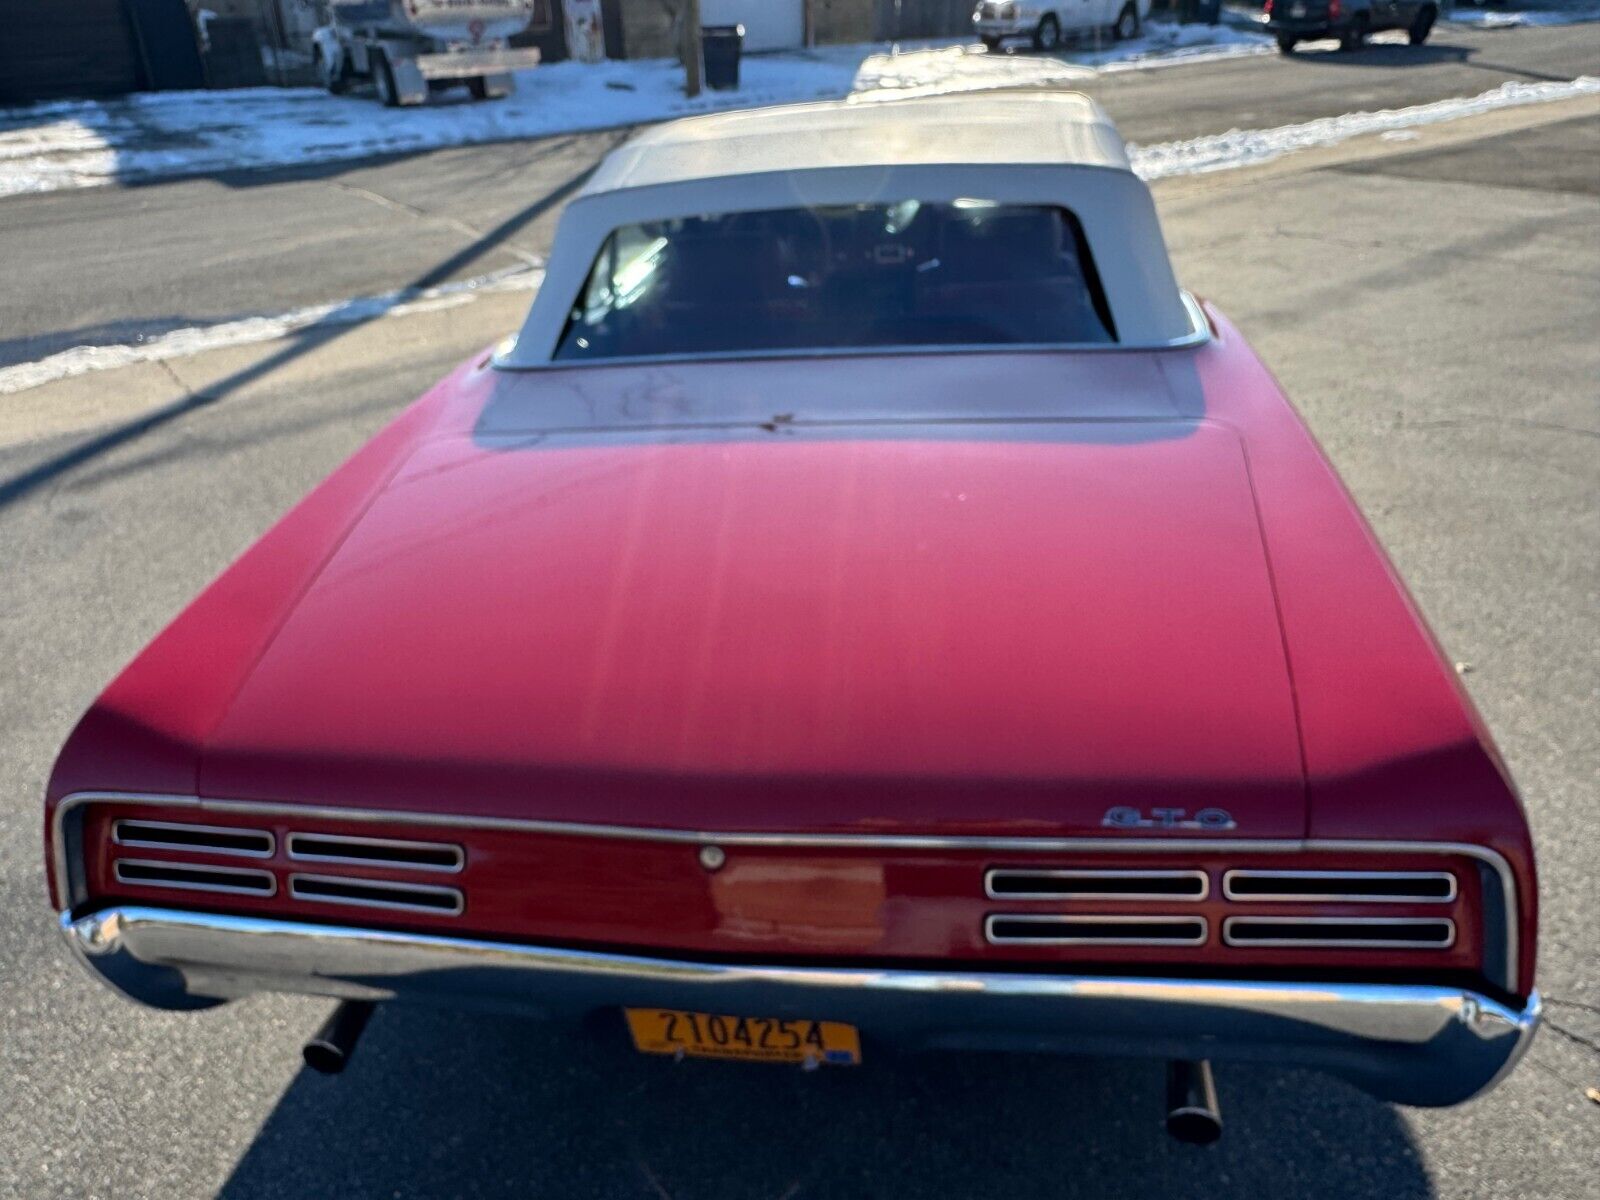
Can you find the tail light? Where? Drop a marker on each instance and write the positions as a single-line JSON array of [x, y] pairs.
[[1339, 908], [1335, 10], [1267, 8]]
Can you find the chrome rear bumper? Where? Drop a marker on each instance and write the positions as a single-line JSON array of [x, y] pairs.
[[1412, 1043]]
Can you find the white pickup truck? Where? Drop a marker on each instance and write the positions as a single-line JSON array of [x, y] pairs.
[[408, 48], [997, 21]]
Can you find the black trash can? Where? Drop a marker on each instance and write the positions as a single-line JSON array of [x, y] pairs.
[[720, 48]]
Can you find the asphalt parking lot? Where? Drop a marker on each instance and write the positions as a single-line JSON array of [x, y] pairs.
[[1430, 302]]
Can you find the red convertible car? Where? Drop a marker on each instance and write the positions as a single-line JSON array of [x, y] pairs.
[[868, 603]]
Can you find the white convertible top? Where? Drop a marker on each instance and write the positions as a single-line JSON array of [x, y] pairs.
[[1054, 148], [1052, 128]]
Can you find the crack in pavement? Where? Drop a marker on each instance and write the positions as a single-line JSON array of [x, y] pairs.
[[1576, 1038], [1487, 419], [422, 214]]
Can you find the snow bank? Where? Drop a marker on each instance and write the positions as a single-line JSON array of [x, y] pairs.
[[1250, 147], [83, 143], [1480, 18]]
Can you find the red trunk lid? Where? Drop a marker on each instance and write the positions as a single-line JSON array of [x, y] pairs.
[[807, 629]]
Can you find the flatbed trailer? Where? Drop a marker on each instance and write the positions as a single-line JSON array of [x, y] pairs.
[[411, 48]]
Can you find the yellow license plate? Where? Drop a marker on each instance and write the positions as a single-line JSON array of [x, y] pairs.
[[755, 1039]]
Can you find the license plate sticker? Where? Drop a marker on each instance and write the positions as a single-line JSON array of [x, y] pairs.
[[752, 1039]]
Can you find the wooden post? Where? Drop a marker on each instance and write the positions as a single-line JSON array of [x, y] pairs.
[[692, 66]]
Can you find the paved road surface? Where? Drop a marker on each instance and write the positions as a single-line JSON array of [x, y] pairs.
[[152, 258], [1430, 304]]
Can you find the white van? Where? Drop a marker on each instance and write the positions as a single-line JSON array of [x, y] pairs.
[[997, 21]]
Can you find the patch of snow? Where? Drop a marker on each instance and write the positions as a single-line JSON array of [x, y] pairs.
[[1251, 147], [69, 144], [1480, 18], [1165, 45], [178, 343]]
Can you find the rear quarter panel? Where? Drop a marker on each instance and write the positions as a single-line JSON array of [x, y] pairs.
[[1394, 748]]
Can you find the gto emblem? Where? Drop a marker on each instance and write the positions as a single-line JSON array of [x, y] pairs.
[[1167, 818]]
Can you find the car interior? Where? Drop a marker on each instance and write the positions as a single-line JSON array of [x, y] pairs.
[[964, 273]]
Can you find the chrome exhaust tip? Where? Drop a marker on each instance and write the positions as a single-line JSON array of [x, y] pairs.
[[329, 1050], [1192, 1112]]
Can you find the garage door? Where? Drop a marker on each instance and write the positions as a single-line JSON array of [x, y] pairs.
[[67, 48], [768, 24]]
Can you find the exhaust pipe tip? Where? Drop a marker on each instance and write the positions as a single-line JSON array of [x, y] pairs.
[[324, 1057], [329, 1049], [1193, 1116], [1194, 1126]]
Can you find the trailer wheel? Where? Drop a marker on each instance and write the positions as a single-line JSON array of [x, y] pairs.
[[383, 80], [478, 87]]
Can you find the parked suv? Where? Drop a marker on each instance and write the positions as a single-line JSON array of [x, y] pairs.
[[997, 21], [1295, 21]]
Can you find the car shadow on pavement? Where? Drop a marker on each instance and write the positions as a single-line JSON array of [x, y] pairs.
[[447, 1104], [1326, 53], [520, 153]]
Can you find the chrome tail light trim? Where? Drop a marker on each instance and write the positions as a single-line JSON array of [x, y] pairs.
[[194, 839], [396, 853], [1340, 887], [1013, 883], [194, 877], [376, 893], [1334, 933], [1048, 929], [1501, 901]]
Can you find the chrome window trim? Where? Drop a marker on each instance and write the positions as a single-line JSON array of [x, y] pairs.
[[69, 889], [1229, 939], [179, 826], [184, 865], [376, 863], [382, 885], [1198, 335], [1335, 897], [1057, 919], [1118, 873]]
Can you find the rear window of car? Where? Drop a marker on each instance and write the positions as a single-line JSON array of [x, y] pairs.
[[908, 274]]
